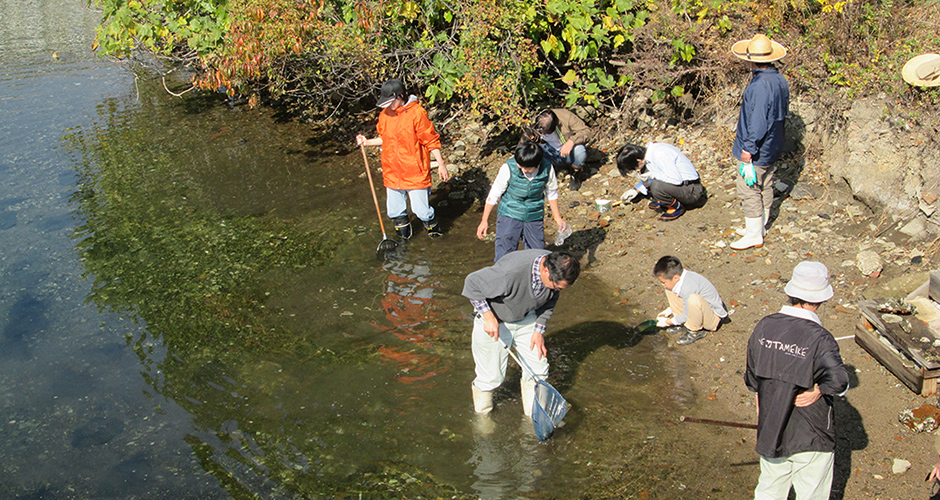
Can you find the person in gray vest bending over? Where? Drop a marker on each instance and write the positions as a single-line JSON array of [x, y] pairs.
[[513, 301], [794, 366], [523, 183]]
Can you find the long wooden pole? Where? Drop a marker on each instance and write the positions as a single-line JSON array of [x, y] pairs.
[[717, 422], [375, 199]]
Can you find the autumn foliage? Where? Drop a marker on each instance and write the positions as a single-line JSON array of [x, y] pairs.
[[503, 57]]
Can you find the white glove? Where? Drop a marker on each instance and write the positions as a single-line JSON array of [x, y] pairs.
[[645, 176], [666, 313], [629, 195], [662, 322]]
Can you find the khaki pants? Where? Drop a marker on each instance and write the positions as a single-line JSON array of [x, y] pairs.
[[759, 197], [700, 312]]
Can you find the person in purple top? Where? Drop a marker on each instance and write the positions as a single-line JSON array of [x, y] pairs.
[[759, 138]]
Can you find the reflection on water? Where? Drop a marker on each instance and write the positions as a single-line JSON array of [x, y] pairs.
[[411, 318], [154, 245], [243, 341], [507, 458]]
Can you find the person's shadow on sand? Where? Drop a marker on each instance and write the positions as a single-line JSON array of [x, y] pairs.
[[850, 436]]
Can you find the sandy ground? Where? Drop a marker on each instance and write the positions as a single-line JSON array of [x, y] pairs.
[[824, 224]]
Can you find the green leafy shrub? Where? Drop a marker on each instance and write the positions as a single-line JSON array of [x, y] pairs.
[[501, 57]]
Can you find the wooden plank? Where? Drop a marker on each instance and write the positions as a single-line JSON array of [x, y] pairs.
[[929, 388], [935, 286], [889, 358], [925, 351], [908, 342]]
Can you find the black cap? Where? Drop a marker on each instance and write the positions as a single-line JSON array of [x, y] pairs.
[[390, 90]]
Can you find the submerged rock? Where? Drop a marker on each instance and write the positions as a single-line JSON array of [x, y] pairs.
[[96, 432]]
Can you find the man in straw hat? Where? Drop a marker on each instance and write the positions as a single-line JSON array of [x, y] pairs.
[[794, 366], [759, 137], [922, 71]]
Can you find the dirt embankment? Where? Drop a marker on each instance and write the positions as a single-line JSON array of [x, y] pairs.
[[816, 218]]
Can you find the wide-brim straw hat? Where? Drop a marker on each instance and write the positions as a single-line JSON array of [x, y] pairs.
[[759, 49], [922, 71]]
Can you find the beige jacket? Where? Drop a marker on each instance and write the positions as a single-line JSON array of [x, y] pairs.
[[570, 127]]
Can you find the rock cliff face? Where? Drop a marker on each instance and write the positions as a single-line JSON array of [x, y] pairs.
[[888, 163], [886, 155]]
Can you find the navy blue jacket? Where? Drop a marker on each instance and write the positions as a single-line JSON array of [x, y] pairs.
[[764, 107]]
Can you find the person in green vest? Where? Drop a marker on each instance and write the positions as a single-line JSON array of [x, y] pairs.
[[521, 187]]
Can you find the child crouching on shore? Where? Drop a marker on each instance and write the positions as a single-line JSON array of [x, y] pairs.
[[694, 303]]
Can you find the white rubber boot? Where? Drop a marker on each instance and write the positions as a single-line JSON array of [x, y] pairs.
[[528, 396], [763, 229], [482, 400], [483, 424], [753, 234]]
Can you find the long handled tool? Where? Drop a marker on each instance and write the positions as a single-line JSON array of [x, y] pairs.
[[548, 406], [386, 245], [717, 422]]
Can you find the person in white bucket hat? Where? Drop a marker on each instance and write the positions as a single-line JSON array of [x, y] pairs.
[[794, 366], [758, 140]]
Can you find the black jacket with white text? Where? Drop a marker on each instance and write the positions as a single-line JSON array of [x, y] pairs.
[[787, 355]]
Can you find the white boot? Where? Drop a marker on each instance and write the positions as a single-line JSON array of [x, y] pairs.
[[528, 396], [483, 424], [763, 229], [753, 234], [482, 400]]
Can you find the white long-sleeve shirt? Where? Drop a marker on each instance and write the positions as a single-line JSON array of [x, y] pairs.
[[502, 182], [666, 163]]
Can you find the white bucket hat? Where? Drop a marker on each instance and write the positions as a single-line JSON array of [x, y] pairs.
[[810, 282], [922, 71]]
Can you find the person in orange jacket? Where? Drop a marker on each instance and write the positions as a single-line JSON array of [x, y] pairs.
[[408, 141]]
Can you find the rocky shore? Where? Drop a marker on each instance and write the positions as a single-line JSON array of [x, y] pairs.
[[872, 250]]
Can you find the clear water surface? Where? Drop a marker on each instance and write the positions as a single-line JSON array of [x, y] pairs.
[[191, 307]]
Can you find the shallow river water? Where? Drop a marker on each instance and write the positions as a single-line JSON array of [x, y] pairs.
[[191, 307]]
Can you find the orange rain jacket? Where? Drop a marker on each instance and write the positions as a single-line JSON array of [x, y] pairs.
[[408, 137]]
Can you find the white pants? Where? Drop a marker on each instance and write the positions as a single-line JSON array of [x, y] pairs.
[[491, 358], [809, 472], [396, 202]]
